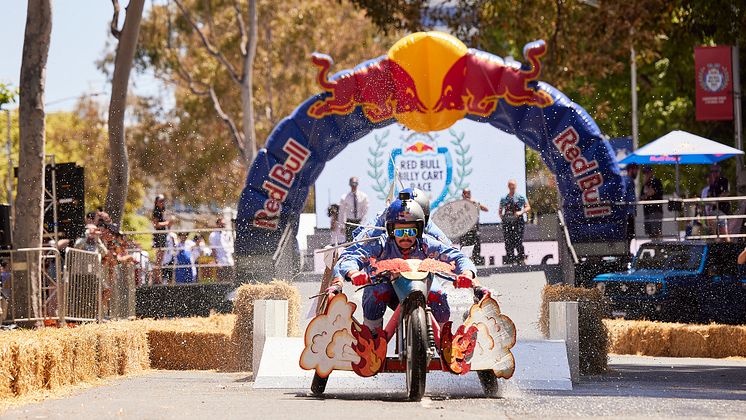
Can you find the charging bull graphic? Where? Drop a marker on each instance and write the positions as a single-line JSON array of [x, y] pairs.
[[475, 83], [383, 89], [427, 81]]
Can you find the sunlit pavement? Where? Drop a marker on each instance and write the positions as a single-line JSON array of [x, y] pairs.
[[635, 387]]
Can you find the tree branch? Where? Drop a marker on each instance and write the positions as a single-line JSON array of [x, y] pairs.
[[206, 43], [115, 19], [237, 140], [187, 78], [241, 28]]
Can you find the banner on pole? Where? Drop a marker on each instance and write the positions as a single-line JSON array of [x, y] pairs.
[[714, 72]]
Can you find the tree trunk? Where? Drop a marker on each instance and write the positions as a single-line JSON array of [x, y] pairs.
[[247, 86], [29, 205], [116, 194]]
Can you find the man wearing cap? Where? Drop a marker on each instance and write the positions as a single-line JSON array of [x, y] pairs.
[[718, 187], [513, 206], [652, 189], [91, 242], [631, 197], [353, 208]]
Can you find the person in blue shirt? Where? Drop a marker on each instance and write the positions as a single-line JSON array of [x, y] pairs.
[[403, 239], [512, 208]]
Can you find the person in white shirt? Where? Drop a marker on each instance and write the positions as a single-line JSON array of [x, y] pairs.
[[353, 208], [221, 243], [169, 257]]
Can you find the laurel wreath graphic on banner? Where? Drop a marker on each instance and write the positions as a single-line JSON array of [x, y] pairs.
[[376, 163], [462, 166]]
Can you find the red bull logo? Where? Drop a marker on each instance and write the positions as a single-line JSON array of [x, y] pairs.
[[420, 147], [475, 83], [383, 89], [428, 81]]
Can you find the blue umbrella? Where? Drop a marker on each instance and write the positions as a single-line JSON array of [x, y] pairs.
[[681, 148]]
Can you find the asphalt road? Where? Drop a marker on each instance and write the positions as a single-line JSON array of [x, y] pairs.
[[636, 387]]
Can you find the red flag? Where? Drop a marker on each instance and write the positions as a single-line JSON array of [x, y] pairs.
[[714, 71]]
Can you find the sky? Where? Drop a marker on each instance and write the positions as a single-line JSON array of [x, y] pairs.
[[80, 30]]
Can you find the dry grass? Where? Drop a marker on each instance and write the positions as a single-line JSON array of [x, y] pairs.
[[50, 358], [593, 340], [243, 307], [676, 340]]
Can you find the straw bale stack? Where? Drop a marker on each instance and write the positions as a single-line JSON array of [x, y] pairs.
[[49, 358], [675, 340], [193, 343], [593, 340], [243, 307]]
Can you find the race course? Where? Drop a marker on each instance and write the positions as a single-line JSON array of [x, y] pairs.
[[636, 386]]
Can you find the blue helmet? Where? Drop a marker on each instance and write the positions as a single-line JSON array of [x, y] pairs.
[[422, 198], [405, 211]]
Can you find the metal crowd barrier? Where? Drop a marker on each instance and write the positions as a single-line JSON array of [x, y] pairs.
[[120, 280], [31, 285], [83, 277]]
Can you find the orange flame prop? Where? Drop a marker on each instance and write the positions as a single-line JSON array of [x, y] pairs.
[[458, 349], [372, 351]]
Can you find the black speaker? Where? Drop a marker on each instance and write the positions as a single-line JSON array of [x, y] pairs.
[[70, 190], [5, 239]]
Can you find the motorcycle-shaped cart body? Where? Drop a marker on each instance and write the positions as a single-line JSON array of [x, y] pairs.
[[335, 340]]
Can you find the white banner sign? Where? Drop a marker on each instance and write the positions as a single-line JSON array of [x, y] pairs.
[[469, 155]]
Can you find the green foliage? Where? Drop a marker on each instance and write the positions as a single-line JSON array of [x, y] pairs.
[[7, 94], [283, 77], [589, 55], [79, 136]]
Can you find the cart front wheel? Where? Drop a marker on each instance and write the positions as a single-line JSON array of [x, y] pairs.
[[416, 340]]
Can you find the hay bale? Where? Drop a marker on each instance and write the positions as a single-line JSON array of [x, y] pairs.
[[107, 352], [593, 335], [27, 357], [193, 343], [243, 307], [6, 366], [84, 357], [54, 345], [676, 340], [188, 350], [50, 358], [726, 341]]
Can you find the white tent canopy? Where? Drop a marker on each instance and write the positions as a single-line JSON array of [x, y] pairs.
[[681, 148]]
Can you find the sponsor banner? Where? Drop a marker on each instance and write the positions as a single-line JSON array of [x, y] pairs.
[[714, 91]]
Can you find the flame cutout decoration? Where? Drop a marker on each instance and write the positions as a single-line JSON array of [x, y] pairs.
[[372, 351], [458, 349], [328, 341], [398, 265], [495, 337]]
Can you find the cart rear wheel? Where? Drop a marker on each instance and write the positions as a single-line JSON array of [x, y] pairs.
[[318, 385], [416, 354]]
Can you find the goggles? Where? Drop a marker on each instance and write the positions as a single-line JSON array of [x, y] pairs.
[[405, 232]]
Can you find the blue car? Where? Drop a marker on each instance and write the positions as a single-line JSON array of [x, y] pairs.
[[686, 281]]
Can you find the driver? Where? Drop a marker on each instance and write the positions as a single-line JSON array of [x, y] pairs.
[[405, 221], [423, 200]]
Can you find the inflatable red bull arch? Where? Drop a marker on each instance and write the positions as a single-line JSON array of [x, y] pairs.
[[427, 81]]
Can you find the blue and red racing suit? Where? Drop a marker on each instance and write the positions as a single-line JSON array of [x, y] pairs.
[[376, 298]]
